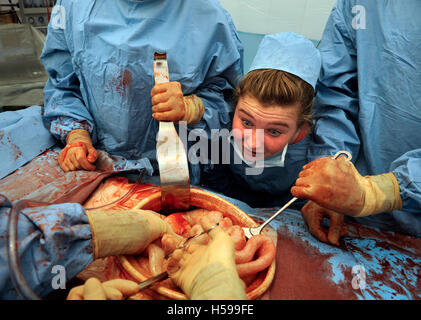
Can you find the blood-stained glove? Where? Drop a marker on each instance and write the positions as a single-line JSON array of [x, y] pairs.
[[337, 185], [208, 272], [93, 289], [169, 104], [78, 152], [313, 216], [116, 232]]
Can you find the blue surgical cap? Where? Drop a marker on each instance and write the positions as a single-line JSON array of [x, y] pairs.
[[290, 52]]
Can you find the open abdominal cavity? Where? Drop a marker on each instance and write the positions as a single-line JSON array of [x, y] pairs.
[[254, 257]]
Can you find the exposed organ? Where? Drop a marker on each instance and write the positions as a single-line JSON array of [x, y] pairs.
[[252, 256]]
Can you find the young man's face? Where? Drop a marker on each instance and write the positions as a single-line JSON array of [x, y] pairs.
[[279, 124]]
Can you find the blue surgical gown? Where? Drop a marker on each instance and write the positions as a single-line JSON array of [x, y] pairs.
[[369, 98], [99, 57], [56, 235]]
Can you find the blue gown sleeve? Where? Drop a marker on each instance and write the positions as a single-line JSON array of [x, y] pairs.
[[224, 69], [407, 170], [336, 104], [64, 109], [57, 235]]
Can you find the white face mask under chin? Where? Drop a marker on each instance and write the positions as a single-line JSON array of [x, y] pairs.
[[278, 160]]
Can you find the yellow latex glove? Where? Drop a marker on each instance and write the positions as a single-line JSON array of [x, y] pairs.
[[78, 152], [169, 104], [93, 289], [208, 272], [337, 185], [117, 232], [313, 216]]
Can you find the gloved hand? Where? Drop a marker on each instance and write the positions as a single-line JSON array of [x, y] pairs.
[[169, 104], [93, 289], [128, 232], [313, 216], [208, 272], [78, 152], [337, 185]]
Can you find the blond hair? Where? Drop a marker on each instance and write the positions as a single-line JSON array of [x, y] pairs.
[[271, 86]]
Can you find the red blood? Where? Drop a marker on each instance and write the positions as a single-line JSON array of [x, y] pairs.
[[178, 223], [304, 273], [125, 82]]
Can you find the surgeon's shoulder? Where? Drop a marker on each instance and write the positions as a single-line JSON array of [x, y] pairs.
[[211, 7], [342, 16], [220, 18], [345, 10]]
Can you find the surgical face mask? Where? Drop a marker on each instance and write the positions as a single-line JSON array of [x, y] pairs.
[[278, 160]]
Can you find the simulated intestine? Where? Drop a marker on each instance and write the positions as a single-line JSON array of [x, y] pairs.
[[253, 256]]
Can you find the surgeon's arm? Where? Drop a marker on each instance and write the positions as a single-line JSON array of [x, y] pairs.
[[58, 235], [338, 189], [407, 171], [338, 186], [223, 68], [336, 104], [216, 91], [335, 110], [207, 106], [65, 235], [65, 109]]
